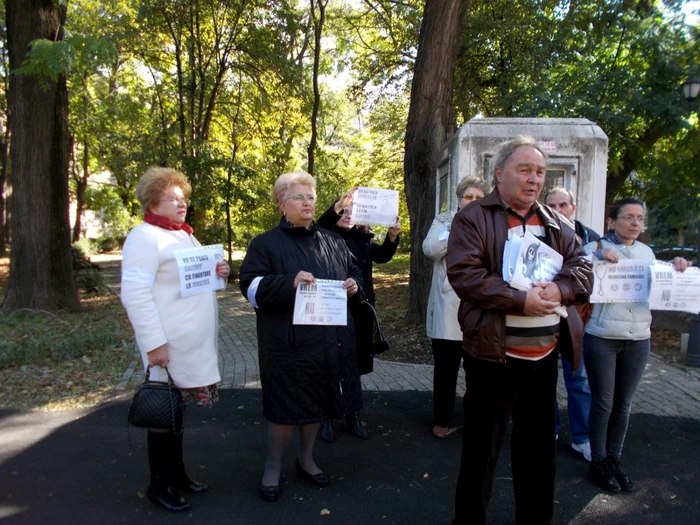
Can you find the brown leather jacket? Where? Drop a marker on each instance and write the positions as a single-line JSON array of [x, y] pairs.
[[474, 268]]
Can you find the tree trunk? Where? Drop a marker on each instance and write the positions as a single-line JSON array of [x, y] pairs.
[[430, 121], [41, 274], [318, 32], [4, 223]]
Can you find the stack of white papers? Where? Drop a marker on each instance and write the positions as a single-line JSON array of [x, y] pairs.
[[527, 260]]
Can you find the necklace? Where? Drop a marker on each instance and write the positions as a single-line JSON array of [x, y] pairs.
[[601, 276]]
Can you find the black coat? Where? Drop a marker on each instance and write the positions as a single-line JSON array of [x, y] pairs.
[[366, 252], [308, 373]]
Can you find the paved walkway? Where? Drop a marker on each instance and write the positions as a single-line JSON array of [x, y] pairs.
[[666, 390]]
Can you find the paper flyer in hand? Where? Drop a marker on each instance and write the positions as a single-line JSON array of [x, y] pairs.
[[198, 269], [535, 262], [674, 290], [626, 281], [528, 260], [323, 302], [375, 207]]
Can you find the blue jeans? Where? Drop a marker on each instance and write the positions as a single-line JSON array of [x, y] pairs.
[[579, 401], [615, 368]]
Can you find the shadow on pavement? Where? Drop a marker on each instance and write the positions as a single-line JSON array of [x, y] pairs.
[[83, 473]]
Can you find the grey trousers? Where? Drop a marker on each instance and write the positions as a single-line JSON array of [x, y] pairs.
[[615, 368]]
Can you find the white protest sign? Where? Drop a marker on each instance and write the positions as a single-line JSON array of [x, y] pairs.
[[674, 290], [375, 207], [198, 269], [323, 302], [626, 281]]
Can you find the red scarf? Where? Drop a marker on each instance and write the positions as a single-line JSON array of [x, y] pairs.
[[165, 223]]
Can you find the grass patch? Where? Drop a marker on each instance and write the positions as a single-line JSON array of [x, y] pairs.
[[64, 360]]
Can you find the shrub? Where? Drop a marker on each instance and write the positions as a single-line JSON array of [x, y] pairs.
[[86, 247], [90, 281], [108, 244]]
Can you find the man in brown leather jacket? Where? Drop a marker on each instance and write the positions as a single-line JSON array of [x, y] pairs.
[[510, 336]]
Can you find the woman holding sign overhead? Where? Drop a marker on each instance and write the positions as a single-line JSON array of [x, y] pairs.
[[308, 371], [615, 349], [175, 332], [361, 243]]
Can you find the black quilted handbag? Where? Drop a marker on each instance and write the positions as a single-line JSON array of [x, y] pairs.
[[157, 405]]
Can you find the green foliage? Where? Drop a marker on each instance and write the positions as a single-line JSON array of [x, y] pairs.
[[670, 186], [48, 61], [615, 63], [222, 91], [116, 219], [30, 337], [86, 247]]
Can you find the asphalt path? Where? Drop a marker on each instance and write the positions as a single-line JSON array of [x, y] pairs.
[[76, 468]]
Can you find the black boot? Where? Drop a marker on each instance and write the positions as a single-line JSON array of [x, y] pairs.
[[327, 432], [180, 478], [161, 462], [601, 474], [623, 479], [355, 425]]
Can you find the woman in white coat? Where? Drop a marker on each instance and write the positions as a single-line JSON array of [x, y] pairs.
[[172, 331], [441, 323]]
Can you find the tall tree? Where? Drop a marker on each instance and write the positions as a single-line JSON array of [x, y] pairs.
[[318, 20], [430, 121], [40, 261]]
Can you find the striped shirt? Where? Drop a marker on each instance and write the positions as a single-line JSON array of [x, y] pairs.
[[527, 337]]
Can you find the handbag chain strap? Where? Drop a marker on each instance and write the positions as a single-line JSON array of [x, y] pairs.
[[172, 407]]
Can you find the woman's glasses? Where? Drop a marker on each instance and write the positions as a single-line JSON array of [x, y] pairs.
[[631, 219], [301, 198], [176, 200], [469, 197]]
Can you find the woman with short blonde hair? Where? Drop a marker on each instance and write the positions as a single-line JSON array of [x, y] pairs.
[[308, 371]]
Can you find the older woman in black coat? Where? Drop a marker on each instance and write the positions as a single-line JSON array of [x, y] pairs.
[[308, 373], [366, 251]]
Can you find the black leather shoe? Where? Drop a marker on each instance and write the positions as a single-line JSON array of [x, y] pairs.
[[601, 475], [623, 479], [269, 492], [327, 432], [355, 425], [187, 484], [320, 479], [165, 496]]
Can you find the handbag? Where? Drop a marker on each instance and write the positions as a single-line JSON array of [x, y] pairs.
[[379, 344], [157, 404]]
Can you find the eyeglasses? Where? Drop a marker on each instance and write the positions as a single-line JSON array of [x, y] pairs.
[[630, 219], [470, 197], [176, 200], [301, 198]]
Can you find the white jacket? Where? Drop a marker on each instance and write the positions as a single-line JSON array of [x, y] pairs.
[[443, 303], [159, 315], [621, 320]]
